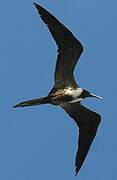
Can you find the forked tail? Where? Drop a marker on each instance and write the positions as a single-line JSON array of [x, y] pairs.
[[33, 102]]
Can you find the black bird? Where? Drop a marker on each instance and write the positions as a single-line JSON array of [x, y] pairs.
[[66, 93]]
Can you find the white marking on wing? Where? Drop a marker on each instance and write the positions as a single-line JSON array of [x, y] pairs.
[[75, 100]]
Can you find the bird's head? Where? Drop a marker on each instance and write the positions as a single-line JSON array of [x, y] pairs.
[[86, 94]]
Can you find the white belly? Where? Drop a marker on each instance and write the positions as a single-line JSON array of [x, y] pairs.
[[75, 94]]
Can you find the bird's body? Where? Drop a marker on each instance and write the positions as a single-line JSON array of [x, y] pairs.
[[65, 92], [66, 95]]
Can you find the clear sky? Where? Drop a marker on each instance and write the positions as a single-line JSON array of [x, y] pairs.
[[40, 142]]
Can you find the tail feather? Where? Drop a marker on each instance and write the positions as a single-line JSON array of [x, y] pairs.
[[33, 102]]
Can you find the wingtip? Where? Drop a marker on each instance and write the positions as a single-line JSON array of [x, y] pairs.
[[38, 7], [76, 170], [77, 167], [35, 4]]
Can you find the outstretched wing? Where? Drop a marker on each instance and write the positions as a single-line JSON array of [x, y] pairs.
[[69, 48], [87, 122]]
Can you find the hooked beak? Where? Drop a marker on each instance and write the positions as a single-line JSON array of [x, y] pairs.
[[95, 96]]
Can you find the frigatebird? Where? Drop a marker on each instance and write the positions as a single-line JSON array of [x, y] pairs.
[[65, 92]]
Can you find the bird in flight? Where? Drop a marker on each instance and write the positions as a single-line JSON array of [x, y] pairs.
[[66, 92]]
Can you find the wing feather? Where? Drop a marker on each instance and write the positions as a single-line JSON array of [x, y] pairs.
[[69, 48], [88, 122]]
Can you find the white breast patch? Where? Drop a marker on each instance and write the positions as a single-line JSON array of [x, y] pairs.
[[74, 93]]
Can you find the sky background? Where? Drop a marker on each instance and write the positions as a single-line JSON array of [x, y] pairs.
[[40, 142]]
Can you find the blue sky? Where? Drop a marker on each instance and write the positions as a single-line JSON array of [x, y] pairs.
[[40, 142]]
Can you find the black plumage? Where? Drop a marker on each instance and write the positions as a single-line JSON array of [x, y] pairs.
[[65, 92]]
